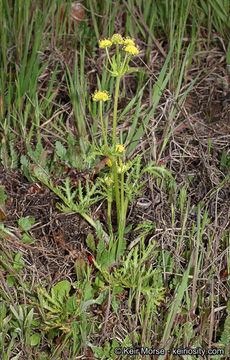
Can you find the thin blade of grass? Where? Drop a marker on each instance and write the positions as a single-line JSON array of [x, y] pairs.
[[175, 305]]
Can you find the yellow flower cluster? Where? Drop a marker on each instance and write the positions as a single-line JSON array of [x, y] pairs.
[[105, 43], [129, 41], [131, 49], [117, 39], [109, 163], [100, 96], [120, 148], [120, 169]]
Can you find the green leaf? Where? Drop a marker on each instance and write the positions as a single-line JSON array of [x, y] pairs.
[[25, 167], [26, 223], [18, 262], [40, 175], [100, 249], [97, 351], [71, 305], [88, 292], [27, 239], [115, 305], [80, 267], [61, 290], [90, 242], [3, 196], [35, 339], [117, 289], [10, 280], [60, 150], [99, 282]]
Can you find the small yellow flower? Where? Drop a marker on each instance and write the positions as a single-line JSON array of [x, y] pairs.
[[132, 49], [105, 43], [129, 41], [117, 39], [100, 96], [120, 148], [109, 163]]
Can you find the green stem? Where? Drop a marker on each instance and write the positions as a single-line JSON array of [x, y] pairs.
[[125, 207], [102, 126], [125, 63], [109, 215], [88, 219], [107, 53], [121, 228], [117, 191], [93, 12], [118, 57], [115, 108], [122, 191]]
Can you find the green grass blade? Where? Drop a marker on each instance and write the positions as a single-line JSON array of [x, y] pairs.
[[175, 306]]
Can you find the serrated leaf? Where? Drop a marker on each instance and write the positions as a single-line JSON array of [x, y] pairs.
[[61, 290], [71, 305], [88, 292], [60, 150], [80, 267], [90, 242], [100, 247]]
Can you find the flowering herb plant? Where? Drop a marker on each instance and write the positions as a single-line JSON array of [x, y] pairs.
[[123, 180], [119, 66]]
